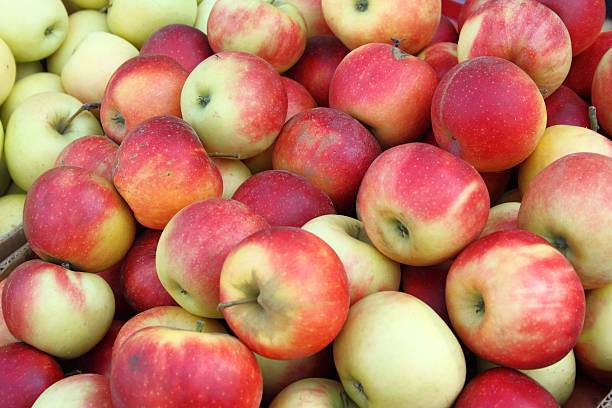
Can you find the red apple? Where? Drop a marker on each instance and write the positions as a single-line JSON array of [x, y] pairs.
[[94, 153], [98, 360], [6, 337], [469, 7], [586, 394], [496, 183], [161, 168], [446, 32], [284, 292], [298, 98], [313, 392], [112, 276], [601, 92], [427, 283], [580, 77], [565, 107], [442, 56], [313, 16], [283, 198], [502, 217], [82, 390], [141, 88], [185, 44]]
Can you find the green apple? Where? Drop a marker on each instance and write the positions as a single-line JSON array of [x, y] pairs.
[[11, 212], [25, 69], [38, 131], [24, 88], [233, 173], [8, 71], [204, 8], [33, 29], [88, 4]]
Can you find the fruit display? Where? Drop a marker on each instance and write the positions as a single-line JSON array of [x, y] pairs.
[[305, 204]]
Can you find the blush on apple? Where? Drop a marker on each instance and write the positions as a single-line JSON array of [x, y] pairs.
[[428, 284], [313, 17], [565, 107], [601, 92], [580, 77], [81, 390], [446, 32], [112, 276], [442, 56], [298, 98], [94, 153], [502, 217]]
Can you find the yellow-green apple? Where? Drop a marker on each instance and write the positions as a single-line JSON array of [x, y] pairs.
[[236, 102], [87, 4], [25, 373], [298, 98], [568, 204], [31, 85], [395, 351], [283, 198], [94, 153], [316, 67], [98, 360], [593, 348], [206, 370], [446, 32], [56, 310], [193, 246], [502, 217], [368, 271], [504, 387], [330, 149], [25, 69], [185, 44], [547, 300], [38, 131], [136, 20], [427, 283], [356, 23], [284, 292], [511, 196], [8, 71], [586, 394], [312, 12], [204, 8], [73, 216], [313, 392], [102, 50], [274, 31], [139, 281], [80, 24], [601, 92], [496, 136], [33, 29], [77, 391], [442, 56], [387, 90], [161, 168], [522, 31], [580, 77], [559, 141], [112, 276], [11, 212], [421, 205], [6, 337], [565, 107], [233, 172]]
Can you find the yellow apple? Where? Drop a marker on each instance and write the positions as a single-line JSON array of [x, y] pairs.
[[233, 173], [31, 85], [204, 8], [88, 4], [25, 69], [8, 71], [11, 212]]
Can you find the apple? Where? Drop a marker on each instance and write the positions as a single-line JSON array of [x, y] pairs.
[[260, 162], [421, 205], [313, 392], [38, 131], [502, 217], [87, 4], [33, 29], [387, 90], [11, 212], [360, 22], [7, 72], [559, 141], [161, 168], [468, 8], [600, 94], [315, 69], [112, 276], [82, 390], [233, 172], [130, 98], [565, 107], [446, 32], [368, 271], [204, 8], [206, 369], [330, 149], [284, 292], [586, 394], [580, 77], [498, 135], [137, 20], [25, 373], [73, 216], [395, 351], [274, 31], [496, 183], [98, 360], [185, 44], [94, 153], [312, 12], [442, 56], [193, 247], [25, 69], [56, 310], [283, 198], [568, 204], [427, 283], [298, 98], [236, 102], [6, 337]]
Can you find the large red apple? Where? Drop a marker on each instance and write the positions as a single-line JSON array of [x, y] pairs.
[[580, 77], [94, 153], [442, 56], [428, 284], [565, 107], [601, 91], [81, 390]]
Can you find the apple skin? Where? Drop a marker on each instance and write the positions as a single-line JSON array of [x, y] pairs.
[[540, 284], [161, 168], [427, 283], [446, 32], [11, 212], [193, 247], [217, 100], [496, 183], [90, 226], [312, 12], [368, 271], [204, 8], [129, 98], [316, 68], [330, 149], [600, 93], [580, 77], [395, 351], [234, 173], [112, 276], [363, 22], [495, 136], [94, 153], [283, 198], [502, 217], [565, 107], [300, 280], [58, 311], [98, 360], [586, 394], [25, 373], [504, 387], [568, 204], [273, 31], [157, 359], [410, 200], [442, 56], [387, 90], [77, 391], [185, 44], [468, 8], [298, 98], [139, 281], [6, 337], [559, 141], [313, 392], [8, 71]]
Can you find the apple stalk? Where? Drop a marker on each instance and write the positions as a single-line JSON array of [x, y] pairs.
[[85, 107]]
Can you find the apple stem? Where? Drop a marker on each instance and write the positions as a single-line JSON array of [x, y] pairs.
[[65, 265], [225, 305], [219, 155], [593, 118], [85, 107]]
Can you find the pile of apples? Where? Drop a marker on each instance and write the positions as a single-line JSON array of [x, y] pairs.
[[306, 203]]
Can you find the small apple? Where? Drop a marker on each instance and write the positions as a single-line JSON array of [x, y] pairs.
[[7, 72], [442, 56], [298, 98], [502, 217], [565, 107], [427, 283], [580, 77], [94, 153], [6, 337], [11, 212], [204, 8], [313, 392], [98, 360], [600, 93], [81, 390], [312, 12], [233, 173], [112, 276], [446, 32]]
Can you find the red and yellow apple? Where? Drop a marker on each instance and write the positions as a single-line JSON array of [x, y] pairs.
[[76, 391], [601, 92], [94, 153]]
